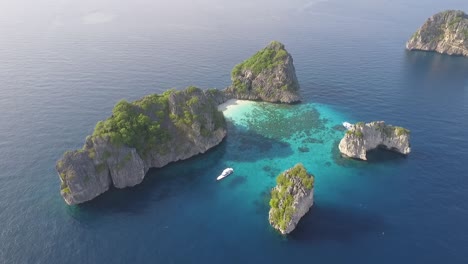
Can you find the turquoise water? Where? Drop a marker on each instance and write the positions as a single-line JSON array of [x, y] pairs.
[[66, 63], [282, 137]]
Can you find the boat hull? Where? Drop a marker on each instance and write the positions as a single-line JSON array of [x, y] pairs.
[[225, 173]]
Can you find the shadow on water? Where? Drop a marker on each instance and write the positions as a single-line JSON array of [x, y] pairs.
[[325, 222], [183, 177], [342, 161], [262, 206], [159, 184], [271, 171], [382, 155], [430, 69], [337, 224]]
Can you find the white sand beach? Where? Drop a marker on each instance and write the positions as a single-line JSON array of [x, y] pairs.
[[231, 104]]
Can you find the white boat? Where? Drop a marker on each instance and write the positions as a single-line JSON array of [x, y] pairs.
[[225, 173], [347, 125]]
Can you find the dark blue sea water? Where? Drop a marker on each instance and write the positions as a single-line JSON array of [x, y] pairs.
[[64, 64]]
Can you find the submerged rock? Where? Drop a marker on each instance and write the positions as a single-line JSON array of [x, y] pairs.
[[291, 198], [445, 32], [150, 132], [269, 76], [361, 138]]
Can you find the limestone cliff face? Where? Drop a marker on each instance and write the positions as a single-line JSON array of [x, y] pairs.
[[445, 32], [184, 124], [218, 96], [268, 76], [291, 199], [361, 138]]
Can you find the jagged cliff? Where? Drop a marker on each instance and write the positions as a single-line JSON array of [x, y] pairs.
[[269, 76], [445, 32], [361, 138], [150, 132], [291, 198]]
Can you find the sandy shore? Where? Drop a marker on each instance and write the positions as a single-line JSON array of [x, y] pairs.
[[232, 103]]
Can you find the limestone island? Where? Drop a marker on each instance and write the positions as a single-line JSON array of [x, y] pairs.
[[360, 138], [162, 128], [445, 32], [269, 76], [291, 198]]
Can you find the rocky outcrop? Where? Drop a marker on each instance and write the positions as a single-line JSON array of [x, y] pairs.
[[361, 138], [269, 76], [291, 198], [151, 132], [445, 32], [218, 96]]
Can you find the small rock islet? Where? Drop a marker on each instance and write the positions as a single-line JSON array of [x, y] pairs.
[[291, 198], [361, 137]]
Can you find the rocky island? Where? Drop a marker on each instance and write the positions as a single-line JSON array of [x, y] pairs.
[[291, 198], [361, 138], [445, 32], [150, 132], [176, 125], [268, 76]]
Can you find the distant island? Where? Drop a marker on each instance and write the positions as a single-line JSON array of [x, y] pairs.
[[361, 137], [445, 32], [163, 128], [291, 198]]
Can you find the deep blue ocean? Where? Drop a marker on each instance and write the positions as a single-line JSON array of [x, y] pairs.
[[64, 64]]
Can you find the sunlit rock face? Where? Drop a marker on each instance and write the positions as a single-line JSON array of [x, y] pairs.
[[361, 138], [445, 32]]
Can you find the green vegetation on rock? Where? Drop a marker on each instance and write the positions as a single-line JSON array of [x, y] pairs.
[[100, 167], [455, 21], [132, 124], [401, 131], [66, 190], [388, 131], [282, 200], [124, 161], [140, 124], [356, 133], [269, 75], [271, 56], [186, 117]]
